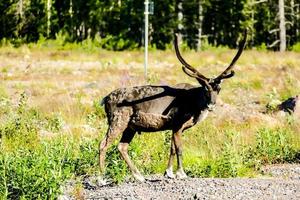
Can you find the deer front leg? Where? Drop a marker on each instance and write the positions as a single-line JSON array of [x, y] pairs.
[[169, 171], [178, 146]]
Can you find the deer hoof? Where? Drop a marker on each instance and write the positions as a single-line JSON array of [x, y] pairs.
[[169, 174], [139, 178], [180, 174], [101, 181]]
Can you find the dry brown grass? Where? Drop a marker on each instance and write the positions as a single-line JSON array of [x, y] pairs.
[[68, 82]]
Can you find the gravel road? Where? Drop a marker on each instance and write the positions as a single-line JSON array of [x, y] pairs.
[[195, 188], [278, 182]]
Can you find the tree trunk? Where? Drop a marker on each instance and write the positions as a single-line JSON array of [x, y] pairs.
[[180, 19], [20, 16], [200, 18], [49, 4], [71, 18], [20, 9], [297, 21], [282, 26]]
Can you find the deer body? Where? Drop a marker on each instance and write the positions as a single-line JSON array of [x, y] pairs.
[[155, 108]]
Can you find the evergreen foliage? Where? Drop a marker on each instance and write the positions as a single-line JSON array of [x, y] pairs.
[[120, 23]]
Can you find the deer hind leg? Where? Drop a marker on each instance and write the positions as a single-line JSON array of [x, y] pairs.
[[178, 146], [116, 127], [123, 148], [103, 146]]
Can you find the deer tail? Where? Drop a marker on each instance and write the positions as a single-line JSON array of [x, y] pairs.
[[103, 101]]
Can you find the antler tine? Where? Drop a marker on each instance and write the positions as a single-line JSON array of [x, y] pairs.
[[189, 73], [186, 65], [225, 74]]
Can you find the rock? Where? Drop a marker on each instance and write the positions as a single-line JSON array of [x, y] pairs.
[[92, 85], [291, 106]]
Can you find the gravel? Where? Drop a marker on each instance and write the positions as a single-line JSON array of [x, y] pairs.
[[196, 188], [277, 182]]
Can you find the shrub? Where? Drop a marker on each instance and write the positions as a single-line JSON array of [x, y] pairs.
[[199, 168], [296, 47], [226, 165], [33, 174], [274, 146], [40, 172], [117, 43], [21, 123]]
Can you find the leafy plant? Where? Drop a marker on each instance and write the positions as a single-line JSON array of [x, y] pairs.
[[274, 146], [54, 123]]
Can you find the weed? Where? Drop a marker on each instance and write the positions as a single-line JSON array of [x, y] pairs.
[[274, 146], [54, 123]]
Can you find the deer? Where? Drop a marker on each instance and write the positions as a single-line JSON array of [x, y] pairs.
[[152, 108]]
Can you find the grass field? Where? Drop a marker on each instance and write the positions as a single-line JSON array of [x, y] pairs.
[[51, 121]]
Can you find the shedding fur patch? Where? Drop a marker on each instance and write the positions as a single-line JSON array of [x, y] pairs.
[[149, 120]]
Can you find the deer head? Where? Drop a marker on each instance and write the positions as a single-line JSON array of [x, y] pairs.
[[212, 85]]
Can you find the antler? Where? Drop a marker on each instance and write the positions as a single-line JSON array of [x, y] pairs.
[[188, 69], [228, 71]]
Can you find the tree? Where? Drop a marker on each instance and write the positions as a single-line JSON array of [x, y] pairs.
[[163, 23], [282, 25], [61, 18], [292, 22], [35, 21], [8, 27], [223, 21], [200, 21], [179, 11]]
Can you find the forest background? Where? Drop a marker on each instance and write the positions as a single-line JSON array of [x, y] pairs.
[[119, 24]]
